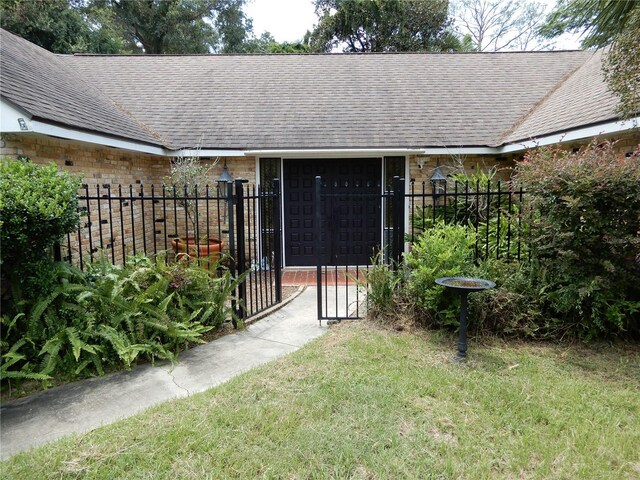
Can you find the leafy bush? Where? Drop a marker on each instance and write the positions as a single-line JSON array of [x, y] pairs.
[[443, 251], [513, 307], [38, 206], [587, 236], [383, 287], [112, 315], [501, 222]]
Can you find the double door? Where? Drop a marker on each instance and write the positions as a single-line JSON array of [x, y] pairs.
[[350, 209]]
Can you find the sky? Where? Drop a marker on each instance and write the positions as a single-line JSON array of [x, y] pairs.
[[288, 20]]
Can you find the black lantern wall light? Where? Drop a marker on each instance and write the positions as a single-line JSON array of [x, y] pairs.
[[438, 183]]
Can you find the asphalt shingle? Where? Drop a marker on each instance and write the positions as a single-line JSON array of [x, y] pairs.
[[243, 102], [48, 88], [581, 100]]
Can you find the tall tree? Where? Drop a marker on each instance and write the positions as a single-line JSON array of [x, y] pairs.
[[600, 20], [622, 67], [59, 26], [613, 23], [233, 26], [178, 26], [266, 43], [496, 25], [124, 26], [383, 25]]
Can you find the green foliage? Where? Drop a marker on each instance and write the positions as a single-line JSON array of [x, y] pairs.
[[38, 206], [443, 251], [383, 285], [266, 43], [501, 222], [587, 237], [233, 26], [601, 19], [56, 25], [177, 26], [606, 22], [139, 26], [111, 316], [513, 308], [12, 355], [383, 25], [622, 67]]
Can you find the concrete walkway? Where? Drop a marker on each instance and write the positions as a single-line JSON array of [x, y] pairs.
[[85, 405]]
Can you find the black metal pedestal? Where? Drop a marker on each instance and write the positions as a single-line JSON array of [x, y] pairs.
[[462, 339], [464, 286]]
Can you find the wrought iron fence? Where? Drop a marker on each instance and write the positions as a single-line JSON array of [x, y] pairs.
[[496, 212], [242, 221]]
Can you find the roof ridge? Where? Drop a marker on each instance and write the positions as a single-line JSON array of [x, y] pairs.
[[143, 126], [538, 105], [314, 54]]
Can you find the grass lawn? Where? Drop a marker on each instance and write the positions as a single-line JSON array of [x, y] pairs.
[[363, 402]]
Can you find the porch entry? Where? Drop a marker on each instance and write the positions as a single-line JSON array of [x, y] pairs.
[[350, 212], [339, 292]]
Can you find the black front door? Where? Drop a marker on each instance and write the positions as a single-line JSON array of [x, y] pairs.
[[350, 209]]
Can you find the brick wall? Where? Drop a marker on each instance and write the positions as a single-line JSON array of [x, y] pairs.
[[468, 164], [95, 164], [125, 214], [628, 143], [117, 225]]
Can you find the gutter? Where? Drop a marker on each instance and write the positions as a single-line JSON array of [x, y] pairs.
[[334, 152]]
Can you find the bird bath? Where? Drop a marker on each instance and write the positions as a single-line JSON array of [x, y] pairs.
[[464, 286]]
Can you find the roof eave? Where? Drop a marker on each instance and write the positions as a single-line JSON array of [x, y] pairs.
[[62, 131], [610, 127]]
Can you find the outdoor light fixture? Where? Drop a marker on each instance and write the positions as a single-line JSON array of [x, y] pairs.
[[224, 177], [438, 182], [23, 124]]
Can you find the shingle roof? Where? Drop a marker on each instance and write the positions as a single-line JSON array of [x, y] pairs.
[[321, 101], [582, 99], [48, 88]]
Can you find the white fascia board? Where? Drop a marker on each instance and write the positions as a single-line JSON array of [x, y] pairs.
[[10, 113], [334, 152], [95, 138], [194, 152], [573, 135], [554, 139], [459, 151]]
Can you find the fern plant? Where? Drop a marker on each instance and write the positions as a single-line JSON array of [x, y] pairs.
[[111, 316]]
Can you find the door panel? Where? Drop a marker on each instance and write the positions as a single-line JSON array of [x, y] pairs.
[[350, 210]]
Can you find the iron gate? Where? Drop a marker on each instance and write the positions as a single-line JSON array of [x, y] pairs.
[[341, 272], [497, 217]]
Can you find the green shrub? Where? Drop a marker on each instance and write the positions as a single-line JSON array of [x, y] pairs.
[[383, 287], [501, 221], [443, 251], [38, 206], [513, 307], [587, 236], [110, 316]]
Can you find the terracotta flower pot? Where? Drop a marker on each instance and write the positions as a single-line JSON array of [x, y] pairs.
[[208, 252]]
